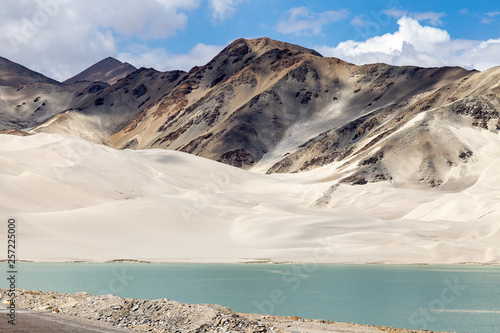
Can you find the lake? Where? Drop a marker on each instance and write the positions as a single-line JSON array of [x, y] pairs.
[[444, 298]]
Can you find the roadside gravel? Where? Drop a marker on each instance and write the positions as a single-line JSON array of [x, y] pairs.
[[163, 315]]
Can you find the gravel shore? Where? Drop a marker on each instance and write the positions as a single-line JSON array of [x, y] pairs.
[[164, 315]]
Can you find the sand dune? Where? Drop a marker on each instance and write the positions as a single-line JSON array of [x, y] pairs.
[[161, 205]]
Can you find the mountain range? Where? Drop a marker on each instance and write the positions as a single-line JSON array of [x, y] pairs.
[[269, 151], [271, 107]]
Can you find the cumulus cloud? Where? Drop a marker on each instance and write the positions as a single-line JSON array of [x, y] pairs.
[[61, 37], [414, 44], [142, 56], [223, 9], [302, 21]]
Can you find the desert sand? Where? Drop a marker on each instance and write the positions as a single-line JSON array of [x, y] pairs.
[[77, 201]]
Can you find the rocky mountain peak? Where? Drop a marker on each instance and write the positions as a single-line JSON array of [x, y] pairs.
[[108, 70], [259, 46], [265, 44]]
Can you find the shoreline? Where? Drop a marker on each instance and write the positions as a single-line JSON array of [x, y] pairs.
[[246, 262], [163, 315]]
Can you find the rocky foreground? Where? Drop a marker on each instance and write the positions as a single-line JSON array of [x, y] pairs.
[[164, 315]]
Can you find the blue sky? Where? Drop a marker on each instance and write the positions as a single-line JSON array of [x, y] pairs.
[[62, 37], [254, 18]]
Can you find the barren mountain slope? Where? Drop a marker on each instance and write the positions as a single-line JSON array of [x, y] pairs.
[[12, 74], [113, 107], [28, 98], [429, 142], [88, 109], [207, 98], [27, 106], [108, 70], [260, 99]]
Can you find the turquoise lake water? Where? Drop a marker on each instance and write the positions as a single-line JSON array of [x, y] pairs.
[[445, 298]]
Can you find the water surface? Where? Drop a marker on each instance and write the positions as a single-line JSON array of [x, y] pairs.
[[446, 298]]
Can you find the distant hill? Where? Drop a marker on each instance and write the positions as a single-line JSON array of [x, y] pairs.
[[28, 99], [13, 74], [108, 70]]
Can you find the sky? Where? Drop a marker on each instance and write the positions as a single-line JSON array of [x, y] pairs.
[[60, 38]]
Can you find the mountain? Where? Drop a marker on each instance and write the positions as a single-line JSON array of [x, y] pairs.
[[28, 99], [428, 140], [12, 74], [108, 70], [274, 107], [110, 108]]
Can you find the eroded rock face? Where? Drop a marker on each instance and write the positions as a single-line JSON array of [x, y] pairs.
[[481, 109], [238, 157]]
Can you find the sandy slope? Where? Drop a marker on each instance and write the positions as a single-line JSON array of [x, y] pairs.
[[78, 201]]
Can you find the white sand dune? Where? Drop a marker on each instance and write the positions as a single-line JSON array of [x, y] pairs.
[[75, 200]]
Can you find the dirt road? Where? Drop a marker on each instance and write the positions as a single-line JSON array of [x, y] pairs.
[[36, 322]]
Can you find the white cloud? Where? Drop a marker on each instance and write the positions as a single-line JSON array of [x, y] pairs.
[[199, 55], [223, 9], [360, 21], [490, 17], [302, 21], [141, 56], [186, 4], [414, 44], [432, 17], [60, 37], [396, 13]]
